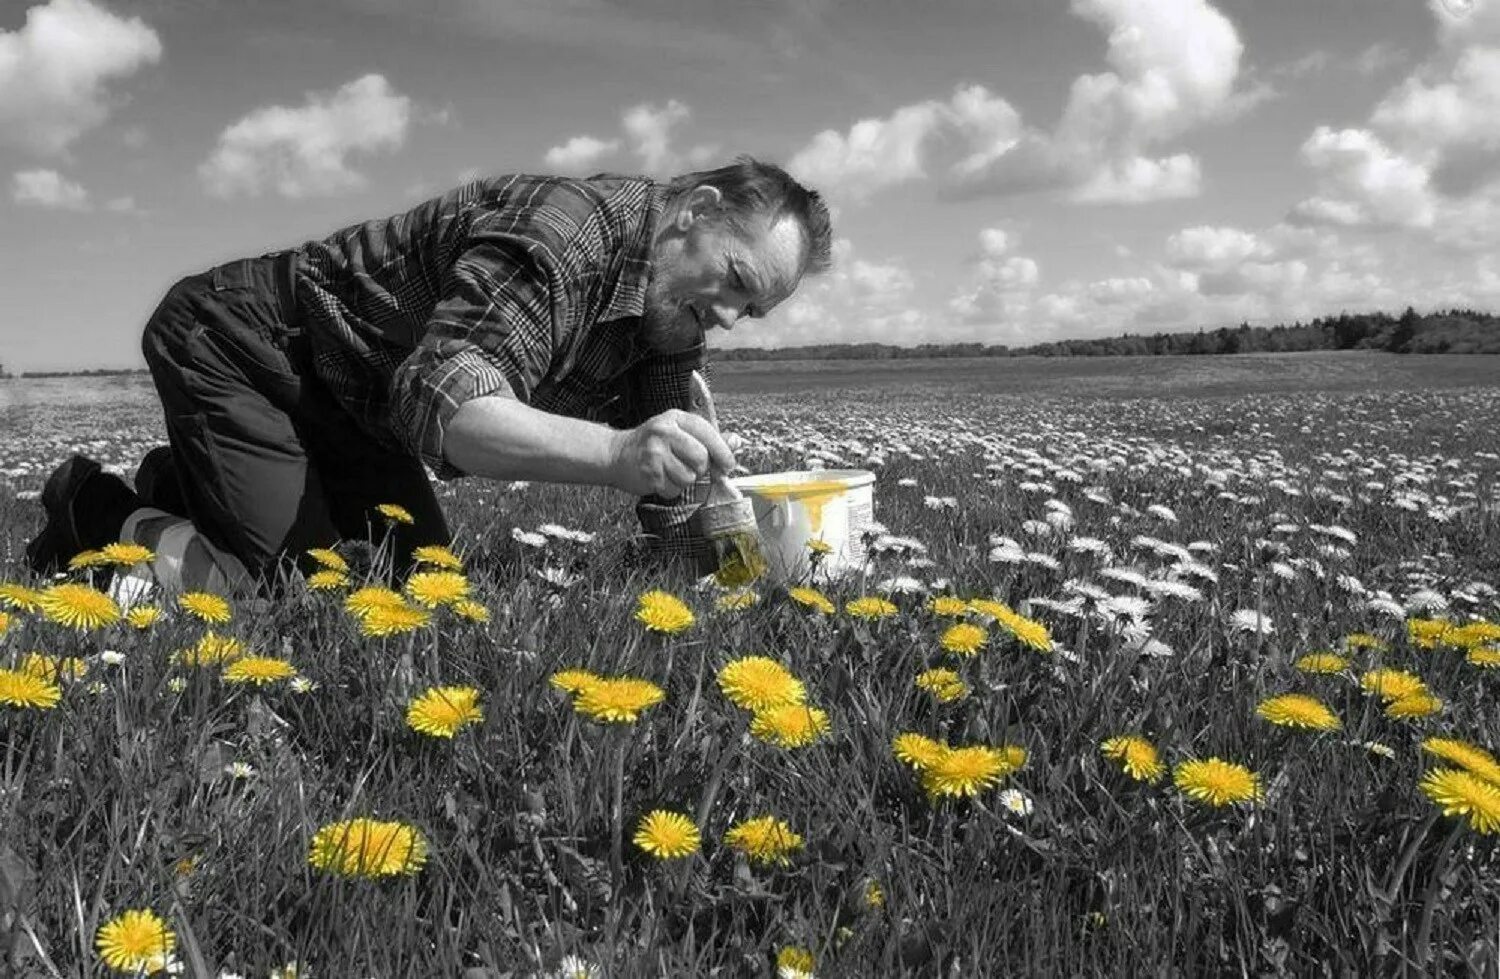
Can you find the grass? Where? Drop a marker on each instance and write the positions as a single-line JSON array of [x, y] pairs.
[[119, 797]]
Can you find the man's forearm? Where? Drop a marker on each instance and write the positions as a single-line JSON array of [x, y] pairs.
[[503, 438]]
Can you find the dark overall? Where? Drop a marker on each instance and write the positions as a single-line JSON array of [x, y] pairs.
[[267, 463]]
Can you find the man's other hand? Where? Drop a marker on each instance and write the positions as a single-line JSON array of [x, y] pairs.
[[668, 453]]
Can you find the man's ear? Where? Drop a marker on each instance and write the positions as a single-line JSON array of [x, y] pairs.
[[701, 201]]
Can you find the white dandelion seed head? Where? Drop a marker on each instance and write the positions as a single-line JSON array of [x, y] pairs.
[[110, 657], [1249, 620], [906, 482], [1425, 600], [528, 537]]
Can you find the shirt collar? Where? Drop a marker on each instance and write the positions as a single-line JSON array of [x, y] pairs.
[[629, 296]]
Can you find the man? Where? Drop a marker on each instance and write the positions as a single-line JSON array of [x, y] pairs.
[[519, 327]]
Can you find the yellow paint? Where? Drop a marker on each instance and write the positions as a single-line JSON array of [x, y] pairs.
[[812, 494]]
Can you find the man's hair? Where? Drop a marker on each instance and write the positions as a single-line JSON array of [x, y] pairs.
[[754, 190]]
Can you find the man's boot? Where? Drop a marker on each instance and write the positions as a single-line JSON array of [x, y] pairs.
[[86, 507]]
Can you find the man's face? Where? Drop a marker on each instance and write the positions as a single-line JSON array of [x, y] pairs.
[[704, 275]]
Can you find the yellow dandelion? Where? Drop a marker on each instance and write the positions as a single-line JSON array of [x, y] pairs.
[[871, 608], [395, 513], [790, 725], [572, 682], [819, 546], [736, 601], [949, 606], [78, 606], [618, 700], [1468, 756], [945, 685], [127, 554], [87, 559], [1298, 710], [917, 750], [1430, 633], [1028, 632], [392, 620], [1476, 634], [1485, 656], [329, 559], [361, 601], [135, 941], [1136, 756], [259, 670], [1422, 704], [467, 608], [1391, 684], [874, 896], [758, 683], [207, 606], [1217, 782], [663, 612], [990, 607], [437, 556], [442, 711], [667, 835], [811, 598], [795, 960], [327, 579], [1461, 793], [963, 638], [21, 689], [54, 668], [968, 771], [434, 588], [1322, 663], [212, 649], [143, 616], [19, 597], [764, 840], [368, 848], [1356, 641]]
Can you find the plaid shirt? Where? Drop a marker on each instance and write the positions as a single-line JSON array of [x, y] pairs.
[[524, 286]]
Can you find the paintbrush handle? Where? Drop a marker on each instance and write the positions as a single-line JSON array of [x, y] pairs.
[[701, 399]]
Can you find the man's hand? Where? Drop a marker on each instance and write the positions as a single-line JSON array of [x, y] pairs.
[[665, 455]]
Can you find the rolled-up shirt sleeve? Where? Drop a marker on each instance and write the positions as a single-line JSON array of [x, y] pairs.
[[493, 332]]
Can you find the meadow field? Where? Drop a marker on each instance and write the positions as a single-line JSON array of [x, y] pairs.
[[1172, 667]]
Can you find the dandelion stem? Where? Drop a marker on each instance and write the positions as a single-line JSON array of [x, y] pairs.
[[616, 813]]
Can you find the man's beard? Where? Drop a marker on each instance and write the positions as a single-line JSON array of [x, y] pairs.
[[668, 326]]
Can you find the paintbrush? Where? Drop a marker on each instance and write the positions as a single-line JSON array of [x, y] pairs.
[[724, 520]]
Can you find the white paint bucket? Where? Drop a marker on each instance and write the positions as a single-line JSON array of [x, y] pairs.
[[795, 510]]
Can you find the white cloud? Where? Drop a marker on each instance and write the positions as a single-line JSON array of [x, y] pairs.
[[123, 205], [305, 151], [1174, 67], [649, 129], [54, 69], [876, 153], [580, 153], [48, 188], [959, 137], [1137, 180], [1208, 247], [1362, 181]]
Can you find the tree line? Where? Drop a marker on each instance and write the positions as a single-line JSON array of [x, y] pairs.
[[1455, 331]]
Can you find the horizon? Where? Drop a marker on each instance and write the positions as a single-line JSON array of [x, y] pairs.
[[1013, 173]]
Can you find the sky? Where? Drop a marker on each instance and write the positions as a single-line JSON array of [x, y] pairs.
[[998, 171]]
